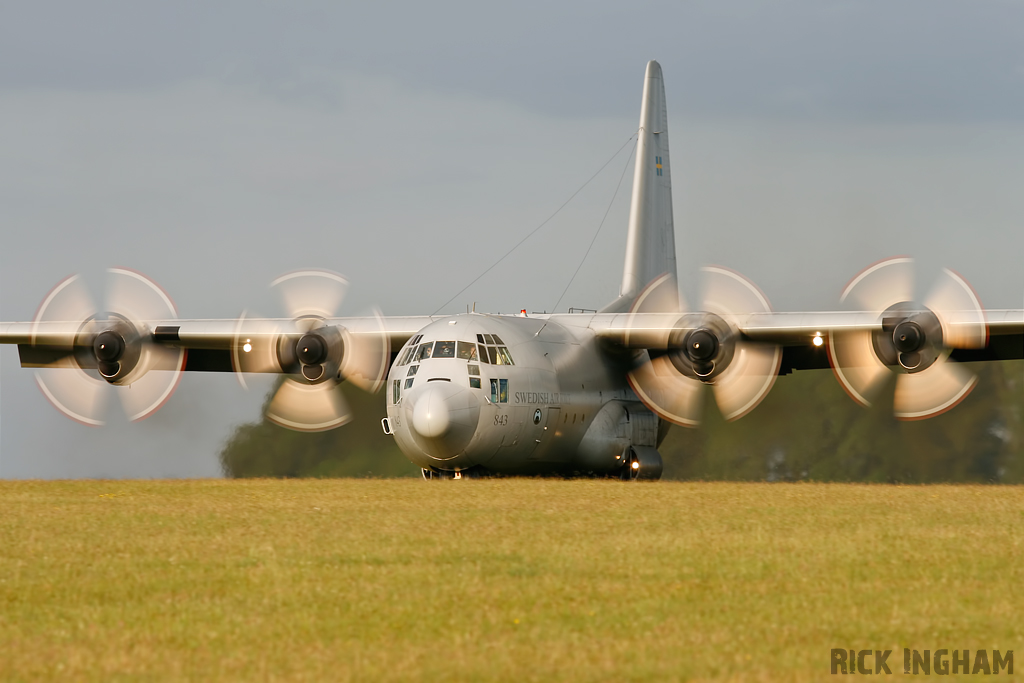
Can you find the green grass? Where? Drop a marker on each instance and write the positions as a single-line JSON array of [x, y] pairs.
[[515, 580]]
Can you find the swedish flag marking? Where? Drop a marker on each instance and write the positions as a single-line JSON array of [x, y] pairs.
[[657, 165]]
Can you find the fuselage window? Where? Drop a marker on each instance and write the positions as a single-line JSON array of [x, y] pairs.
[[396, 391], [444, 349], [412, 370], [474, 382], [424, 351], [474, 369], [467, 351], [504, 358], [494, 391], [408, 382], [503, 391]]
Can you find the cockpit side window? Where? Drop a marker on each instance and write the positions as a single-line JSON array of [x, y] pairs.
[[467, 351], [424, 351], [492, 355], [504, 357], [407, 355], [444, 349], [483, 355]]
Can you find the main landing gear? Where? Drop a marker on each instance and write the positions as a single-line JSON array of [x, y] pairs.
[[642, 462]]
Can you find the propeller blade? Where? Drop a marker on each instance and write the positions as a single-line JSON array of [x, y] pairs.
[[754, 367], [68, 303], [73, 392], [748, 379], [366, 358], [136, 297], [311, 293], [880, 285], [959, 311], [159, 375], [932, 391], [660, 296], [308, 408], [156, 375], [856, 366], [672, 396], [77, 393], [726, 293]]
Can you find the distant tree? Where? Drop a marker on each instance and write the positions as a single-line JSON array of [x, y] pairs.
[[806, 429], [357, 449]]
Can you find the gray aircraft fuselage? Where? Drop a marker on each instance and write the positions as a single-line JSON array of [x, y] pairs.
[[517, 395]]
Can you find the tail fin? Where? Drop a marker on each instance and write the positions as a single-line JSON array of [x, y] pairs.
[[651, 243]]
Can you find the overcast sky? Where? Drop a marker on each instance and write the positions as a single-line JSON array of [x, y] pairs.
[[215, 145]]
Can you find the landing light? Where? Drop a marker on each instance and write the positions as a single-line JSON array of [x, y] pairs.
[[636, 465], [818, 341], [247, 347]]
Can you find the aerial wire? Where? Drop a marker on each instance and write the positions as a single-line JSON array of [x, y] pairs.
[[545, 222], [615, 194]]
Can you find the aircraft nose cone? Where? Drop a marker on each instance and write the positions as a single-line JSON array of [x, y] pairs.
[[431, 417], [443, 417]]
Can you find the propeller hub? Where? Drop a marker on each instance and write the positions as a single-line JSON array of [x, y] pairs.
[[109, 347], [701, 346], [311, 349], [908, 337]]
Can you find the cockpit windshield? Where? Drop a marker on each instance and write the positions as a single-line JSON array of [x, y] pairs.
[[463, 350], [444, 349], [467, 350], [424, 351]]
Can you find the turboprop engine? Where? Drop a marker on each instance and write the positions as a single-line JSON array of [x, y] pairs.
[[687, 351], [102, 348], [914, 342], [315, 355]]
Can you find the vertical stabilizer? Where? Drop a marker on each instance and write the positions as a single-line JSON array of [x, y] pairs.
[[651, 244]]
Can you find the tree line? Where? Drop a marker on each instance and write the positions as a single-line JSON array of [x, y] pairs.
[[806, 429]]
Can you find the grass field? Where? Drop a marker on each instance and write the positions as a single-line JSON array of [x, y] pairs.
[[516, 580]]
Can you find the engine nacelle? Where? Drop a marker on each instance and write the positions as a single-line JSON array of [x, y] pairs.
[[910, 339], [317, 355], [701, 346], [113, 347]]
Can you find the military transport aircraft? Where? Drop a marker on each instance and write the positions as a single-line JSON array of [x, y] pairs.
[[577, 393]]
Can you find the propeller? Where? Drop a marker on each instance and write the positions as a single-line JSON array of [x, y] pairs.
[[315, 354], [80, 351], [915, 340], [701, 348]]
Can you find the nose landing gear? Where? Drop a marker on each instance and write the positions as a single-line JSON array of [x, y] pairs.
[[468, 473]]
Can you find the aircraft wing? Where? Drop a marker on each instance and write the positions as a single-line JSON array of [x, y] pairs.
[[76, 361], [211, 345], [653, 330], [678, 351]]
